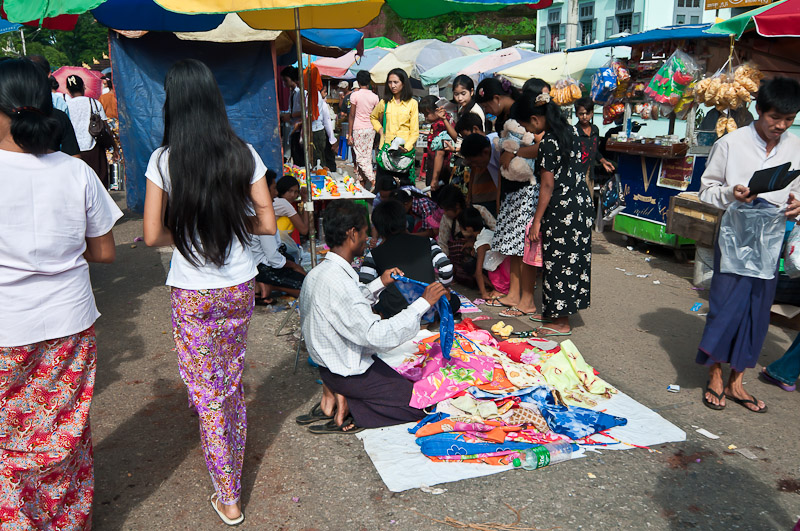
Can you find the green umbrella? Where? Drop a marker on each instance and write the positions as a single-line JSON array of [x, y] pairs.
[[379, 42], [25, 10], [741, 23]]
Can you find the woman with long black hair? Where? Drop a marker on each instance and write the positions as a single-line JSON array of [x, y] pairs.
[[563, 215], [55, 216], [206, 194], [397, 116]]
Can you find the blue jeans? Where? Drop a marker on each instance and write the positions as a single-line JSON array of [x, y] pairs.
[[787, 369]]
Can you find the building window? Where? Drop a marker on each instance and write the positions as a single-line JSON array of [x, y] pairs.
[[625, 23], [586, 12], [680, 19], [625, 6], [587, 32], [695, 19], [554, 31], [554, 16]]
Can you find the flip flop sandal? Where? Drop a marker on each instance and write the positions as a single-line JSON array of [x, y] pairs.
[[539, 319], [225, 519], [744, 401], [553, 332], [315, 415], [331, 427], [514, 312], [712, 405], [494, 302], [774, 381], [264, 302]]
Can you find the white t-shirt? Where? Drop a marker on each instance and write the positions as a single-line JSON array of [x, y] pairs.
[[49, 205], [283, 207], [239, 266], [265, 250], [492, 259], [80, 110]]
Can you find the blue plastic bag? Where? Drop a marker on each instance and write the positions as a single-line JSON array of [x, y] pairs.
[[604, 83], [412, 290]]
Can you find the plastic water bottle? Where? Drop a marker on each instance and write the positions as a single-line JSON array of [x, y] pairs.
[[546, 454]]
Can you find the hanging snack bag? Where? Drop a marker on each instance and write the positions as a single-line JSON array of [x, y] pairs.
[[672, 79], [728, 89], [604, 83], [566, 91], [613, 112], [623, 78]]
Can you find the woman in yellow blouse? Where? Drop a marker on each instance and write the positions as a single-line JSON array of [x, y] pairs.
[[402, 113]]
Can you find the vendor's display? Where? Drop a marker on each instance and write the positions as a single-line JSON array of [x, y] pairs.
[[566, 91], [672, 79], [727, 90]]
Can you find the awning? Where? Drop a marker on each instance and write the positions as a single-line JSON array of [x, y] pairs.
[[781, 19], [667, 33], [6, 26]]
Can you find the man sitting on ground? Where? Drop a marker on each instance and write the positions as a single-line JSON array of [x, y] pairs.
[[343, 334]]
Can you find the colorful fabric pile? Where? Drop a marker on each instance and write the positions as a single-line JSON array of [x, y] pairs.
[[494, 400]]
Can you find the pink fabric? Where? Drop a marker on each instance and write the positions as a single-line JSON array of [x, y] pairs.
[[442, 379], [501, 277], [533, 250], [365, 100]]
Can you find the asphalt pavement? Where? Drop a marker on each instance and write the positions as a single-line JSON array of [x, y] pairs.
[[640, 335]]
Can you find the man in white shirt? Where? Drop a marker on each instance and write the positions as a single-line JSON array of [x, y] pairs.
[[322, 135], [292, 115], [342, 333], [738, 318]]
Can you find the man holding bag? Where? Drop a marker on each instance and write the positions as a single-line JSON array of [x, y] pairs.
[[738, 319]]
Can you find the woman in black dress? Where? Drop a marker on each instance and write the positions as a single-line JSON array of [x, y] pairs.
[[564, 214]]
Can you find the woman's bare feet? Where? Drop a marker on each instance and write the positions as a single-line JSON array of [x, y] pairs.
[[560, 324]]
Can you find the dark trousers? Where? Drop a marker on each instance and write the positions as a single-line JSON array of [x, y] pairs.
[[296, 148], [282, 277], [377, 398]]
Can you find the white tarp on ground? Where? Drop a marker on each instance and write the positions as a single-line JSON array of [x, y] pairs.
[[402, 466]]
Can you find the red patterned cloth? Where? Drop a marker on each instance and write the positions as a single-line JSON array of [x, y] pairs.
[[46, 477]]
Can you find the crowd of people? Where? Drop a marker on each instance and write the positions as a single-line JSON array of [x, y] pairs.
[[521, 214]]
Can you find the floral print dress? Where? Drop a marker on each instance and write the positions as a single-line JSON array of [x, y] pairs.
[[566, 233]]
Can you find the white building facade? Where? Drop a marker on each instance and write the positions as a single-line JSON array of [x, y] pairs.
[[600, 20]]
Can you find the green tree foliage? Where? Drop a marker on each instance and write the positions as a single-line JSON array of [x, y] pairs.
[[453, 25], [89, 40]]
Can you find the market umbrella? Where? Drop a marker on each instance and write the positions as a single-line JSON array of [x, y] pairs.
[[336, 66], [32, 11], [61, 22], [553, 66], [477, 70], [482, 43], [781, 19], [417, 57], [366, 61], [379, 42], [91, 79], [474, 65], [6, 26]]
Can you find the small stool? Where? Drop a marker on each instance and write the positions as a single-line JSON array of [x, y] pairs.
[[343, 148]]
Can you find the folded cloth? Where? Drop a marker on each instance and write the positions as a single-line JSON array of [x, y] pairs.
[[459, 444], [575, 379]]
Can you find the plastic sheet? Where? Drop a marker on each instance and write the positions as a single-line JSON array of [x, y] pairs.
[[791, 257], [750, 239], [412, 290]]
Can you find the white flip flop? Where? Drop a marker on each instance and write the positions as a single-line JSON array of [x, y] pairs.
[[225, 519]]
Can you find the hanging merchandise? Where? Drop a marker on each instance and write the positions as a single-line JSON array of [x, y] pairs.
[[623, 78], [566, 91], [604, 83], [613, 112], [728, 90], [672, 79]]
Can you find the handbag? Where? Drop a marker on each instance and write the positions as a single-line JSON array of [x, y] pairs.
[[99, 128], [392, 159]]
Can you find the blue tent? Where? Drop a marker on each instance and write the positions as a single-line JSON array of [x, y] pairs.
[[6, 26], [667, 33]]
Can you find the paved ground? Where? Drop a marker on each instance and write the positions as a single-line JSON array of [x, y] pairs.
[[641, 336]]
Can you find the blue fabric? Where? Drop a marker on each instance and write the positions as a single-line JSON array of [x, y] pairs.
[[454, 444], [246, 79], [574, 422], [787, 368], [6, 26], [346, 39], [147, 15], [667, 33], [412, 290], [433, 417]]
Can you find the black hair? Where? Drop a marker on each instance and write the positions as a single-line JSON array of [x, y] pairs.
[[472, 219], [209, 166], [25, 98], [292, 73], [781, 94], [535, 85], [474, 144], [285, 183], [75, 85], [384, 181], [527, 106], [271, 176], [363, 78], [110, 83], [427, 104], [401, 195], [465, 81], [468, 122], [491, 87], [341, 216], [405, 92], [53, 83], [586, 103], [450, 197], [389, 218], [40, 61]]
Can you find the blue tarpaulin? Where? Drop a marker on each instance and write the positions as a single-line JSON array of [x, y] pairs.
[[6, 26], [667, 33], [147, 15], [245, 76]]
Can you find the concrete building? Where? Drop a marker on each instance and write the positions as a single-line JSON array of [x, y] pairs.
[[600, 20]]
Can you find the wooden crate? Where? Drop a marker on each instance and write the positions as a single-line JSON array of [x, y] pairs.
[[691, 218]]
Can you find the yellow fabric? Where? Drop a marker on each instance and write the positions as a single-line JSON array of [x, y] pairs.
[[279, 14], [285, 224], [568, 372], [402, 120]]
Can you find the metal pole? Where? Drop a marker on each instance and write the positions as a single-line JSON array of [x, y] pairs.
[[22, 36], [571, 33], [309, 206]]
